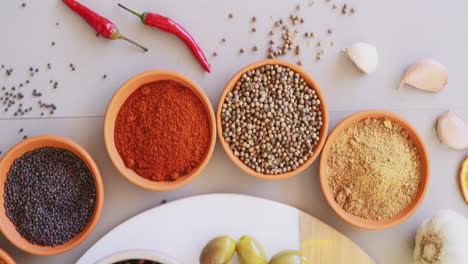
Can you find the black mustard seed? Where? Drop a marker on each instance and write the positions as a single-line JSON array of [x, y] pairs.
[[49, 196]]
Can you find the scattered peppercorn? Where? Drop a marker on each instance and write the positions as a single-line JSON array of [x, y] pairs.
[[53, 43], [23, 5]]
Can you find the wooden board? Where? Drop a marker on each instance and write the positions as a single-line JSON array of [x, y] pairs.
[[181, 229]]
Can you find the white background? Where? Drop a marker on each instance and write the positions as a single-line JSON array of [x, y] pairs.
[[403, 31]]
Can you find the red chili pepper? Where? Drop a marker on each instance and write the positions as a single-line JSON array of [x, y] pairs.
[[170, 26], [102, 25]]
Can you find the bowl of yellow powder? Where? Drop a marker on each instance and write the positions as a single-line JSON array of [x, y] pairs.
[[374, 170]]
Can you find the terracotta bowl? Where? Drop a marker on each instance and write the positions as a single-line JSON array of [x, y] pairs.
[[423, 185], [6, 257], [30, 144], [322, 133], [113, 109]]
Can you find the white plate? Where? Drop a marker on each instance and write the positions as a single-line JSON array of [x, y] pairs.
[[181, 229]]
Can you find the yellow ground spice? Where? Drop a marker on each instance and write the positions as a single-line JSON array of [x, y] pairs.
[[374, 169]]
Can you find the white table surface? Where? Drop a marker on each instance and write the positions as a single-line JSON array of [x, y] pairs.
[[403, 31]]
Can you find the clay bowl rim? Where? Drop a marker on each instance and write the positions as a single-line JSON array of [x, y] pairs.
[[5, 256], [113, 109], [461, 179], [323, 131], [423, 185], [7, 227]]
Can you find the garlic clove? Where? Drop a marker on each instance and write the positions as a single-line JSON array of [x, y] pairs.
[[453, 131], [428, 74], [364, 56]]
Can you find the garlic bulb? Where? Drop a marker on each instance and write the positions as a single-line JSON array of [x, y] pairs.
[[442, 240], [428, 74], [364, 56], [453, 131]]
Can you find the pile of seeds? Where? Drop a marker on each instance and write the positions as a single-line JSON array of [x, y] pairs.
[[49, 196], [137, 261], [271, 119], [374, 169]]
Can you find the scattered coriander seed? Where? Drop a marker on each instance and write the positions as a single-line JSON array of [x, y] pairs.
[[329, 31], [254, 19], [312, 35], [311, 3], [302, 21], [254, 30], [271, 42], [298, 7], [353, 10], [215, 54], [334, 6], [318, 57], [223, 40], [241, 50], [255, 48], [319, 44], [300, 63], [344, 10], [307, 35], [272, 33], [230, 15]]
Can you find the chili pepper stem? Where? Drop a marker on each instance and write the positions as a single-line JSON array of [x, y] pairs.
[[119, 36], [130, 10]]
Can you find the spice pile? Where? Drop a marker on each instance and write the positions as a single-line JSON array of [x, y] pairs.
[[162, 131], [49, 196], [374, 169], [137, 261], [272, 119]]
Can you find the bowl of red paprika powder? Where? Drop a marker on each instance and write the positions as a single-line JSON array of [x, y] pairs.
[[159, 130]]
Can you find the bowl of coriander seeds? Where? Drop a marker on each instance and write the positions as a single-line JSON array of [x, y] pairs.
[[272, 120]]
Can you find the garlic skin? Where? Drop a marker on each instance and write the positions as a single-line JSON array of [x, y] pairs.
[[364, 56], [442, 240], [453, 131], [428, 75]]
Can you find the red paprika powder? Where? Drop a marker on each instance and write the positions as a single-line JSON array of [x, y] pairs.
[[162, 131]]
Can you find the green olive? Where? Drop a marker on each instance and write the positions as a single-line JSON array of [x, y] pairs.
[[288, 257], [250, 251], [218, 251]]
